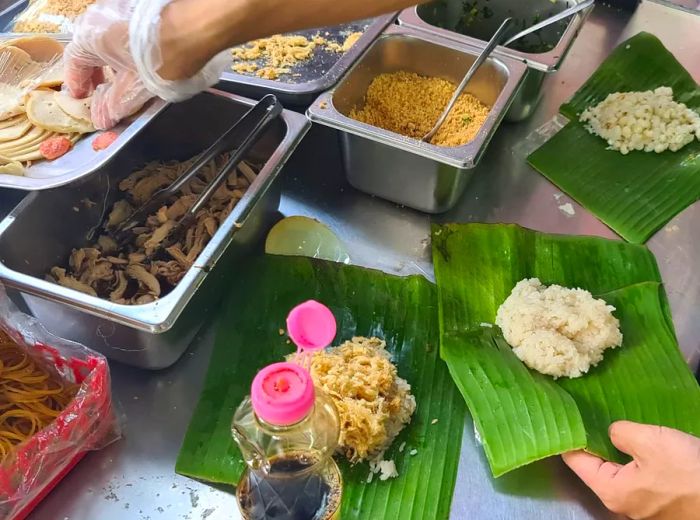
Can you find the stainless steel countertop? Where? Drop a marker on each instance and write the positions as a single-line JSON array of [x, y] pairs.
[[134, 478]]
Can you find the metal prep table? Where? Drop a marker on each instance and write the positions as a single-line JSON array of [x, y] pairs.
[[135, 479]]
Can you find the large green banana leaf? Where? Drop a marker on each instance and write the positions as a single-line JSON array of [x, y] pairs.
[[523, 416], [634, 194], [403, 311]]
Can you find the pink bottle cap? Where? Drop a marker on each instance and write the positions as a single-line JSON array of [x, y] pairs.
[[282, 394], [311, 326]]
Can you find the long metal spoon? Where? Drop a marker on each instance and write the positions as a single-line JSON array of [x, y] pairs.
[[493, 43], [552, 19]]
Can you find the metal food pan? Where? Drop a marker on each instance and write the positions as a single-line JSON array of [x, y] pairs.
[[440, 17], [436, 16], [9, 13], [397, 168], [319, 73], [12, 9], [44, 228], [81, 160]]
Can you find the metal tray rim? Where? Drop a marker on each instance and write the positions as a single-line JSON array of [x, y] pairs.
[[326, 81], [62, 37], [131, 130], [462, 157], [159, 316], [547, 62]]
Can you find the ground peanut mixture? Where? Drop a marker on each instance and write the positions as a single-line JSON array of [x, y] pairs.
[[48, 15], [409, 104], [270, 58]]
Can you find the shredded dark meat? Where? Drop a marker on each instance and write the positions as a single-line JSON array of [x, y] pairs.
[[144, 271]]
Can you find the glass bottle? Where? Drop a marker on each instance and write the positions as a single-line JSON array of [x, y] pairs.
[[287, 431]]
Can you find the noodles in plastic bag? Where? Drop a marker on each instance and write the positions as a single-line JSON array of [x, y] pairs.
[[55, 406]]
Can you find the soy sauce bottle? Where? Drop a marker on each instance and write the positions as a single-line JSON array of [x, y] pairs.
[[287, 431]]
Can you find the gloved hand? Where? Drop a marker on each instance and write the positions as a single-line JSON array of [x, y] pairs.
[[661, 483], [124, 35]]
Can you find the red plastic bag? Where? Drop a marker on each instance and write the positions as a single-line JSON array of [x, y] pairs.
[[88, 422]]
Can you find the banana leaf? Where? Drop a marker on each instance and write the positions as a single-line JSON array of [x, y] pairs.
[[403, 311], [635, 194], [521, 415]]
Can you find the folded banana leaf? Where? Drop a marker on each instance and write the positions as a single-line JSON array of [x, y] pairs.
[[403, 311], [635, 194], [521, 415]]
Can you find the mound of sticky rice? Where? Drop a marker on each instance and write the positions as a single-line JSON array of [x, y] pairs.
[[555, 330], [374, 403]]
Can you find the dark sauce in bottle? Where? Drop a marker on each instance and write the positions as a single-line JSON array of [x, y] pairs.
[[291, 491]]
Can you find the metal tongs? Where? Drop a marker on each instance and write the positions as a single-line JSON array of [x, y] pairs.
[[241, 137]]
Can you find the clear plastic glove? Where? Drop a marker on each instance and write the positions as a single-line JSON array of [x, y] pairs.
[[661, 483], [124, 35]]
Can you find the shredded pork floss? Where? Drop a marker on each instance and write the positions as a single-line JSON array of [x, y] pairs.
[[374, 403], [143, 271]]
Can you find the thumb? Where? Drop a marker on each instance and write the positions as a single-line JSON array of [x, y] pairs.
[[116, 100], [638, 440], [595, 472]]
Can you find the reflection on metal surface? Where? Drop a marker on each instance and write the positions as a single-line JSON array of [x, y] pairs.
[[134, 478]]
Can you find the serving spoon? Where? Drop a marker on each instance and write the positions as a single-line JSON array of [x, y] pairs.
[[492, 44], [570, 11]]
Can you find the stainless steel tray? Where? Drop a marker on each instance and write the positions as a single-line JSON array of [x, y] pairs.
[[429, 17], [317, 74], [9, 13], [394, 167], [42, 230], [82, 160]]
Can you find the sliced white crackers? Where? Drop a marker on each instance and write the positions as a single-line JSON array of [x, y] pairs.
[[43, 111]]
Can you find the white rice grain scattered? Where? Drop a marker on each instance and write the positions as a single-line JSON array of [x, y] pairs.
[[650, 121]]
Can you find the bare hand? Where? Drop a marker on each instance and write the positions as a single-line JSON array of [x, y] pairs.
[[661, 483]]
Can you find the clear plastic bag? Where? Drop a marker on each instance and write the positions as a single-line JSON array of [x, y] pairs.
[[88, 422]]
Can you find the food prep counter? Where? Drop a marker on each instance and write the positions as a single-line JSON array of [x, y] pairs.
[[135, 478]]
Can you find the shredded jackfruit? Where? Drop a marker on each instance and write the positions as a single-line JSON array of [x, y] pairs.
[[374, 403]]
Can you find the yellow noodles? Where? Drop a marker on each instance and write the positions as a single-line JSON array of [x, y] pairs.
[[30, 396]]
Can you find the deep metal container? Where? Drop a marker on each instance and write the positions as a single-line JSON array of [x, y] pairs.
[[44, 228], [484, 17], [317, 74], [401, 169]]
